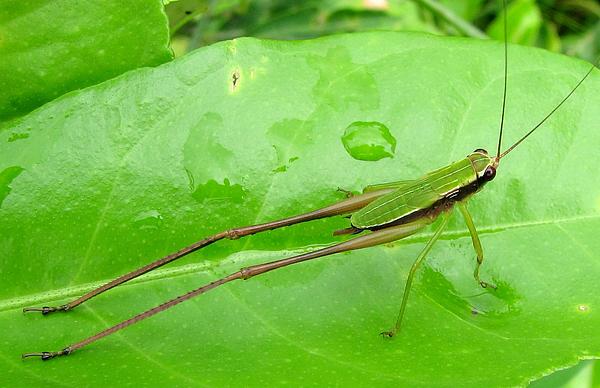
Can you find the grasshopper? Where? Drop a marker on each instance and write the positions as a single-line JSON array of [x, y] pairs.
[[381, 214]]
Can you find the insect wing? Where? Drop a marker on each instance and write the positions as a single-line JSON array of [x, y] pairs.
[[396, 204]]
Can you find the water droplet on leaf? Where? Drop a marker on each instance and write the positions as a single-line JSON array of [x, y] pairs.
[[583, 308], [150, 219], [214, 191], [369, 140]]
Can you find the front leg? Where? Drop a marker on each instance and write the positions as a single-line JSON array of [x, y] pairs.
[[476, 244]]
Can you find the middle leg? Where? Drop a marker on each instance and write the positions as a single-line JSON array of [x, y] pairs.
[[392, 332]]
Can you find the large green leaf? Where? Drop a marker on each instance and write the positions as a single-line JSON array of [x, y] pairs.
[[50, 47], [106, 179]]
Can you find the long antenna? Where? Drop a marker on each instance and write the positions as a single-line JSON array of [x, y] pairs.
[[505, 78], [551, 112]]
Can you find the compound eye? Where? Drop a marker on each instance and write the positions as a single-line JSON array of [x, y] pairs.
[[481, 151], [489, 173]]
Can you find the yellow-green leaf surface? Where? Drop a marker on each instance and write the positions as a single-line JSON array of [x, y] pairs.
[[110, 178], [50, 47]]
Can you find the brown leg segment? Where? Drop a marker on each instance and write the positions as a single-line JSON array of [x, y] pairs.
[[343, 207], [376, 238]]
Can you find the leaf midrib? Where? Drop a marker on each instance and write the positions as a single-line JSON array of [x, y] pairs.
[[211, 267]]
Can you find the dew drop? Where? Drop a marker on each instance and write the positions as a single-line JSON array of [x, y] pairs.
[[214, 191], [150, 219], [369, 140], [583, 308]]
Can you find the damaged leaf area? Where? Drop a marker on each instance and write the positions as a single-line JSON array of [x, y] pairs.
[[109, 178]]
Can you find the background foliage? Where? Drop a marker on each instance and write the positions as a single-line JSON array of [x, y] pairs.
[[50, 47], [568, 26]]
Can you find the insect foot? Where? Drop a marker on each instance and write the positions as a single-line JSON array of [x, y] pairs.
[[388, 334], [46, 310], [45, 356], [486, 285], [347, 193]]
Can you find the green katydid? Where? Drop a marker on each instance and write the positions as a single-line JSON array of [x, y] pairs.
[[382, 213]]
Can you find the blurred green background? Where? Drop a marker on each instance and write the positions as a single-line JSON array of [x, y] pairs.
[[568, 26]]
